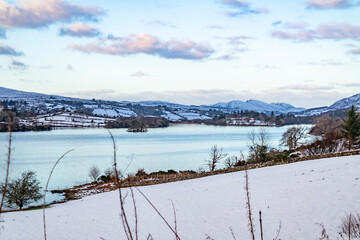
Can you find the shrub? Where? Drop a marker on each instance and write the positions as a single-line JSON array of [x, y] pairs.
[[350, 227], [94, 173], [23, 190], [141, 173]]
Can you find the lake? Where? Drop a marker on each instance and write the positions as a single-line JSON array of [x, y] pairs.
[[178, 147]]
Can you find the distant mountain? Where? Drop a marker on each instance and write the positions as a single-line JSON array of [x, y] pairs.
[[347, 102], [43, 103], [257, 106], [340, 105], [162, 103]]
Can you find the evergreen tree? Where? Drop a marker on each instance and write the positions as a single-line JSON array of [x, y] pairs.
[[351, 128]]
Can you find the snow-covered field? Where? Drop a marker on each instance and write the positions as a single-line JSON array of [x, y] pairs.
[[69, 120], [300, 195]]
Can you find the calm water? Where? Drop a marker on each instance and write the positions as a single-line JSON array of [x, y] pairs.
[[179, 147]]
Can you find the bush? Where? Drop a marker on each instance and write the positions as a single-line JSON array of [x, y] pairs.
[[278, 156], [94, 173], [23, 191], [141, 173], [350, 227]]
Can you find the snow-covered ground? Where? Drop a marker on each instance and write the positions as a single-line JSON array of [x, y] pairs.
[[300, 195], [68, 120], [120, 112], [191, 115]]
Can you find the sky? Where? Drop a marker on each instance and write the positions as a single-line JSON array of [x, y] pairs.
[[303, 52]]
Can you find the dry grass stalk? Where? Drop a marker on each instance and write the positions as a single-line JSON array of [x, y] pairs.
[[209, 238], [175, 220], [135, 213], [278, 232], [125, 222], [10, 128], [248, 206], [324, 235], [232, 234], [350, 227], [261, 229], [47, 184], [157, 211]]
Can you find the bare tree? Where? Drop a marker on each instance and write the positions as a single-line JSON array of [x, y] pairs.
[[234, 161], [23, 190], [292, 136], [259, 145], [215, 156], [94, 172]]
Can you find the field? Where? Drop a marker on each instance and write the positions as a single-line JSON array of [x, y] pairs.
[[300, 195]]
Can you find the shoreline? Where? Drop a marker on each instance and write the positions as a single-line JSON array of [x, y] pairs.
[[51, 128], [88, 189]]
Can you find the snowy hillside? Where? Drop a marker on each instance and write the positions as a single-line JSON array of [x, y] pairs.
[[45, 104], [347, 102], [11, 94], [257, 106], [300, 195], [342, 104]]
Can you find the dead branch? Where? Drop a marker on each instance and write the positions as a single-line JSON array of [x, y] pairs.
[[248, 206], [10, 128], [157, 211], [47, 184]]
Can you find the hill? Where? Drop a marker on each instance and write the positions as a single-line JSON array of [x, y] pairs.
[[300, 195]]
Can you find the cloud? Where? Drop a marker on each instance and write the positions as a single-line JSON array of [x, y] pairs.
[[276, 23], [236, 3], [40, 13], [146, 44], [197, 96], [329, 62], [17, 65], [227, 57], [159, 23], [331, 4], [297, 25], [216, 27], [309, 99], [290, 25], [80, 30], [26, 80], [307, 87], [139, 74], [99, 93], [352, 85], [69, 67], [2, 33], [238, 40], [335, 31], [266, 66], [247, 11], [305, 98], [355, 51], [46, 67], [7, 50], [242, 7]]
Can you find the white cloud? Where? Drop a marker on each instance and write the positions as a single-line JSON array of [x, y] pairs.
[[40, 13], [146, 44], [79, 30]]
